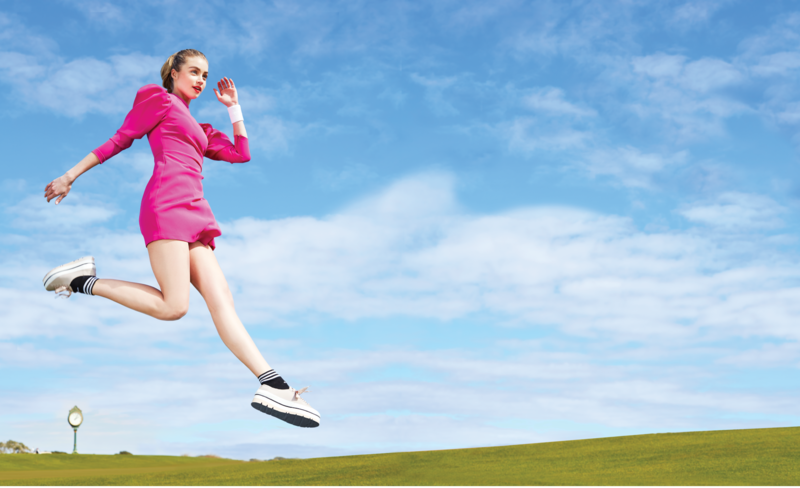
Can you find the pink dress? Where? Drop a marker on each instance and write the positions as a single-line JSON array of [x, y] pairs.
[[173, 206]]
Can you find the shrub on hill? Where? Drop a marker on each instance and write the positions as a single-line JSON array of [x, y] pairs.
[[13, 447], [125, 453], [58, 452]]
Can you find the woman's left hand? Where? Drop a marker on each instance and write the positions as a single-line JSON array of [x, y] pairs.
[[227, 92]]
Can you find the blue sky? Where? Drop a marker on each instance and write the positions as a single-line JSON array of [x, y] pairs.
[[464, 223]]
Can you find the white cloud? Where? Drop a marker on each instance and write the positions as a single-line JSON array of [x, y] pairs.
[[148, 409], [528, 135], [767, 356], [14, 34], [702, 75], [577, 31], [777, 64], [628, 165], [551, 99], [18, 65], [790, 113], [74, 212], [737, 211], [434, 92], [81, 86], [104, 14], [780, 36], [695, 12], [659, 65], [412, 251], [467, 15], [709, 74], [773, 57], [685, 95], [29, 356]]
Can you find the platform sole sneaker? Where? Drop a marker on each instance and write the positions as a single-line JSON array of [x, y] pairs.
[[58, 279], [286, 405]]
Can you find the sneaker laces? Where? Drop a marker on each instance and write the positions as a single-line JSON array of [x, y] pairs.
[[297, 393], [63, 291]]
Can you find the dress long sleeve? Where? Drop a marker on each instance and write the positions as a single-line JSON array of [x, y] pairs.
[[149, 108], [220, 147]]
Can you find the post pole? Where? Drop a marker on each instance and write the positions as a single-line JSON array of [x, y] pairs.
[[75, 442]]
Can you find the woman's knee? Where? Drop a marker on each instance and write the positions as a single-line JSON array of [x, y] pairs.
[[174, 311]]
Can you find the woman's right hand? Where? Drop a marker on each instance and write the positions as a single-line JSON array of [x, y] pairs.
[[59, 187]]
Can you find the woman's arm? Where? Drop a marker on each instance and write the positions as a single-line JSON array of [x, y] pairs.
[[151, 105], [229, 97], [61, 186], [239, 130]]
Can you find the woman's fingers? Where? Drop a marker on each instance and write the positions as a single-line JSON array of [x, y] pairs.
[[225, 83], [61, 196], [53, 190]]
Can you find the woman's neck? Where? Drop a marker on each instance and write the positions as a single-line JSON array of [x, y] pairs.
[[180, 95]]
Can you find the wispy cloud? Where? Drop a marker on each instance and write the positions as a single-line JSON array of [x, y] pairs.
[[628, 166], [737, 211], [551, 99], [74, 212], [434, 92], [411, 250], [80, 86], [696, 12]]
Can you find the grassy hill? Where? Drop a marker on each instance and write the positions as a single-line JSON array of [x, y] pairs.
[[733, 457]]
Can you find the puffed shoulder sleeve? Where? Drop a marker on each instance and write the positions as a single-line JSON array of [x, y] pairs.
[[220, 148], [149, 108]]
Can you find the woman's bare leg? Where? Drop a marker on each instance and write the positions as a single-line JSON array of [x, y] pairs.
[[207, 277], [170, 262]]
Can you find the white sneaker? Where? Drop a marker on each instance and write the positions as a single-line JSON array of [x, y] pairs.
[[58, 279], [286, 405]]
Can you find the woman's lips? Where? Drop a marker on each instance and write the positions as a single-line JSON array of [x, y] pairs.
[[197, 89]]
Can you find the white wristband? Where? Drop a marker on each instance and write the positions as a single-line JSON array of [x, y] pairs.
[[235, 111]]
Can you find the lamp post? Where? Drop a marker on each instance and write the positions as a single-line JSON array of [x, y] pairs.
[[75, 419]]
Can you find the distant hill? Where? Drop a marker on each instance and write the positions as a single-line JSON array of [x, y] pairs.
[[730, 457]]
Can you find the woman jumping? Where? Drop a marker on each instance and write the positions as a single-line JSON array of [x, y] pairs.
[[177, 223]]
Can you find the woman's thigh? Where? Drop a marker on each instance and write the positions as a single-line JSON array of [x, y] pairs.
[[170, 262], [207, 277]]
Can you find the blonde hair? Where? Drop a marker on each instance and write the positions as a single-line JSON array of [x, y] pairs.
[[176, 62]]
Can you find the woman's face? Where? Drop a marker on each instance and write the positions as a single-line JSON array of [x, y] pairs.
[[190, 82]]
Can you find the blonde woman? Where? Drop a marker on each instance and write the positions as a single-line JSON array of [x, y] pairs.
[[177, 223]]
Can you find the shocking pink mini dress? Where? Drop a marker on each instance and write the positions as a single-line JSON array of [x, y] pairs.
[[173, 206]]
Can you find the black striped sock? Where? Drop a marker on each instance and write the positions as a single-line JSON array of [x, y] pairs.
[[273, 380], [83, 284]]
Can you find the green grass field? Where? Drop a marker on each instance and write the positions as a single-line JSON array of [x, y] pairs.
[[732, 457]]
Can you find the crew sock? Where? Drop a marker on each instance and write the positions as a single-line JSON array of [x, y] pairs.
[[83, 284], [273, 380]]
